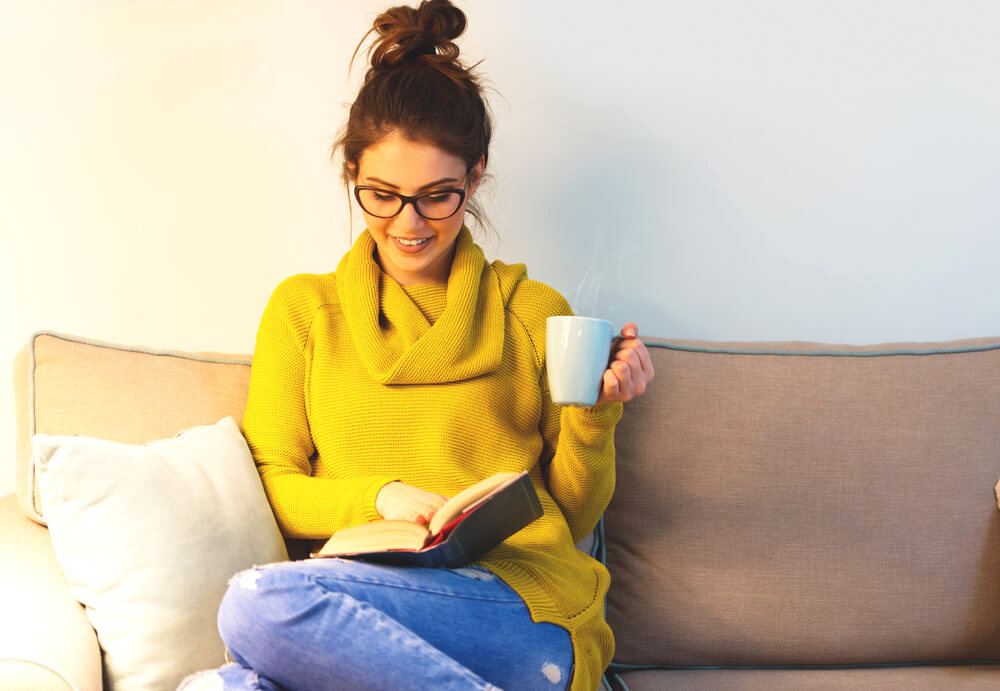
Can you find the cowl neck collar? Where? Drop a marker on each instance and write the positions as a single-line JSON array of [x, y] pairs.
[[395, 341]]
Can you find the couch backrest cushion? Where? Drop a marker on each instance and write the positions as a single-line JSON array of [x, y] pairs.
[[801, 503], [66, 385]]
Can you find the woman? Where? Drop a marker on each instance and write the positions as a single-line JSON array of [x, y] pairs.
[[413, 371]]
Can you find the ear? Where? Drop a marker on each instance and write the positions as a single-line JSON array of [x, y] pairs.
[[476, 175]]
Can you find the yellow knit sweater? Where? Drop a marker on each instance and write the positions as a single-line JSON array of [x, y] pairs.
[[357, 381]]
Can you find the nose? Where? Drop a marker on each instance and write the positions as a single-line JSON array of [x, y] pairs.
[[408, 218]]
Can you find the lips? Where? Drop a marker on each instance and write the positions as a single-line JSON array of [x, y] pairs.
[[411, 245]]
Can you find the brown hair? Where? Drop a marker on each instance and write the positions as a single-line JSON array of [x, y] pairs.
[[417, 86]]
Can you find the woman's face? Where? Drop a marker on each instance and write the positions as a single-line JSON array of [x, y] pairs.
[[396, 164]]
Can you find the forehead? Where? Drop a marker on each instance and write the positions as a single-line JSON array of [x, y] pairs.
[[408, 164]]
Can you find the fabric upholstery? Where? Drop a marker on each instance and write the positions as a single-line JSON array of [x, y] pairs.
[[66, 385], [809, 509], [952, 678], [46, 640], [18, 675]]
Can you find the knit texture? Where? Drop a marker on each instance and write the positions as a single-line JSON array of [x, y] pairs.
[[357, 382]]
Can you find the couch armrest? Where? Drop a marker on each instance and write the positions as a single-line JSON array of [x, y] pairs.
[[46, 640]]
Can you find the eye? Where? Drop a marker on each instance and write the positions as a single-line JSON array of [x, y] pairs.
[[383, 196]]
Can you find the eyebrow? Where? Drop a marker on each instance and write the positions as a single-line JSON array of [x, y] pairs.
[[442, 181]]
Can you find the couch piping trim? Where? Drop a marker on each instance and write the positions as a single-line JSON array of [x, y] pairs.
[[621, 682], [37, 510], [142, 349], [823, 353], [619, 667], [48, 668]]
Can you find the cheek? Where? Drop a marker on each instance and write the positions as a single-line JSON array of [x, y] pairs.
[[451, 226], [376, 225]]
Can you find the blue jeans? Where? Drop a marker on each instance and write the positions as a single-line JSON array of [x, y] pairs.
[[341, 624]]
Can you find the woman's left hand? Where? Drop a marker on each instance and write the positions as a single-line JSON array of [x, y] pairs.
[[631, 368]]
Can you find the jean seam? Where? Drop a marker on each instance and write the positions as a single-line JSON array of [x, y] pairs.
[[512, 599]]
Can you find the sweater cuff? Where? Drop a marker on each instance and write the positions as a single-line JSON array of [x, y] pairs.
[[370, 494], [596, 418]]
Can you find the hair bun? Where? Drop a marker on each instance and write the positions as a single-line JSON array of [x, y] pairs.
[[407, 33]]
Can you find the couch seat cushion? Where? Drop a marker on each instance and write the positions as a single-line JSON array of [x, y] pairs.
[[929, 678]]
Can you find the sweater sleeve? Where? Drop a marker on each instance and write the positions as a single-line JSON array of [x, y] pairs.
[[276, 425], [578, 454], [581, 474]]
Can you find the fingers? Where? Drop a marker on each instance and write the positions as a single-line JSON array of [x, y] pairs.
[[623, 372], [400, 501], [630, 368], [635, 354], [420, 515], [629, 355], [645, 361], [629, 331], [630, 342], [424, 513], [418, 518], [611, 384]]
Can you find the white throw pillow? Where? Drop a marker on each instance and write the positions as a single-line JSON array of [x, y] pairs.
[[149, 537]]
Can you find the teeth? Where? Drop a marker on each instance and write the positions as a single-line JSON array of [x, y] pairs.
[[411, 243]]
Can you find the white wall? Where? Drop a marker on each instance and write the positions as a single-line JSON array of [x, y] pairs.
[[721, 170]]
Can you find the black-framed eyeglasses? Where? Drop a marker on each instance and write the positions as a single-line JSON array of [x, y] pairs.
[[435, 205]]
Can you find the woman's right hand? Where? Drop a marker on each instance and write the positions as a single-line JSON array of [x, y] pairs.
[[399, 501]]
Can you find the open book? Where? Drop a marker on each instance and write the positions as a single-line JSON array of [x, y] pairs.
[[463, 530]]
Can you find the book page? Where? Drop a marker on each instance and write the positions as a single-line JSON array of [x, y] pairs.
[[467, 497], [378, 535]]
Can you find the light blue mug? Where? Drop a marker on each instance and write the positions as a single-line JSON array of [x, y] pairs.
[[576, 354]]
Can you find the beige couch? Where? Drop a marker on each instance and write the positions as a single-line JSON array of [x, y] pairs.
[[787, 515]]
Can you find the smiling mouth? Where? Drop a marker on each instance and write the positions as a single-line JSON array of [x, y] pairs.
[[412, 243]]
